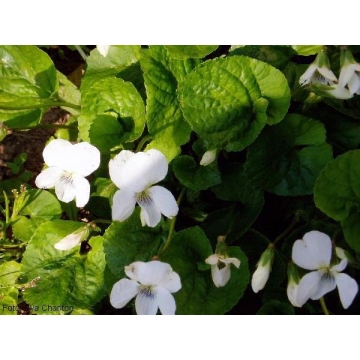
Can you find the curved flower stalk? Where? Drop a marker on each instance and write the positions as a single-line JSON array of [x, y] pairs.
[[263, 269], [319, 72], [314, 252], [350, 73], [220, 264], [68, 165], [152, 283], [135, 174]]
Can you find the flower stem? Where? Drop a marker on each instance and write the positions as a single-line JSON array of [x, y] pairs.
[[288, 229], [172, 226], [323, 305], [143, 141], [81, 52], [44, 126]]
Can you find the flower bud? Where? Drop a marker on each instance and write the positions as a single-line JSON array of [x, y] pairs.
[[208, 157], [262, 272], [75, 238], [293, 283]]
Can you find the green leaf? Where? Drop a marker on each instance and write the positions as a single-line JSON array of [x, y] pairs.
[[337, 189], [68, 92], [351, 229], [9, 273], [107, 102], [165, 120], [287, 158], [183, 52], [67, 279], [128, 241], [194, 176], [198, 295], [276, 307], [307, 49], [28, 77], [24, 228], [228, 101]]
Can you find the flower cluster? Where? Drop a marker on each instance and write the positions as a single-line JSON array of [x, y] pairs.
[[314, 252]]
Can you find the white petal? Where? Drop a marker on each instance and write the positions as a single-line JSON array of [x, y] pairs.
[[154, 273], [212, 259], [173, 283], [326, 285], [165, 301], [82, 189], [339, 92], [313, 251], [150, 215], [48, 178], [306, 77], [146, 303], [122, 292], [83, 159], [123, 204], [234, 261], [308, 286], [55, 153], [348, 289], [327, 73], [260, 278], [220, 276], [116, 166], [68, 242], [103, 49], [143, 170], [340, 267], [346, 73], [164, 201], [132, 270], [291, 291], [208, 157], [65, 189], [354, 84]]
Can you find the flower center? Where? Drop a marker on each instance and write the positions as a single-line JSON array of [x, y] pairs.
[[66, 177], [326, 273], [319, 79], [147, 290], [143, 198]]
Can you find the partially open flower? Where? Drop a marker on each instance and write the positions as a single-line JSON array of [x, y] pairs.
[[152, 283], [68, 165], [135, 175], [263, 268], [350, 73]]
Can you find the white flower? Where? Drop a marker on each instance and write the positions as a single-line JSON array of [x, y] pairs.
[[220, 268], [73, 239], [314, 253], [318, 72], [208, 157], [262, 272], [135, 174], [67, 167], [350, 73], [152, 283], [103, 49], [293, 284]]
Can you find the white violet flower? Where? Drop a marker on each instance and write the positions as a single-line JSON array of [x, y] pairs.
[[68, 165], [314, 252], [152, 283], [350, 73], [262, 272], [318, 72], [220, 268], [134, 174]]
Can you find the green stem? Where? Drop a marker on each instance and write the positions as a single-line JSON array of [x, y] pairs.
[[37, 106], [102, 221], [288, 229], [144, 140], [44, 126], [172, 226], [323, 305], [81, 52]]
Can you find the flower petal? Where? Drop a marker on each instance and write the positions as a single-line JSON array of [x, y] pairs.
[[165, 301], [164, 201], [340, 267], [326, 284], [313, 251], [150, 215], [56, 153], [124, 202], [308, 286], [220, 277], [48, 178], [348, 289], [305, 78], [132, 270], [260, 278], [234, 261], [354, 84], [146, 303], [116, 166], [212, 259], [122, 292], [173, 283], [346, 73], [83, 159], [143, 170], [65, 189], [291, 291], [82, 189], [68, 242], [154, 273], [327, 73]]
